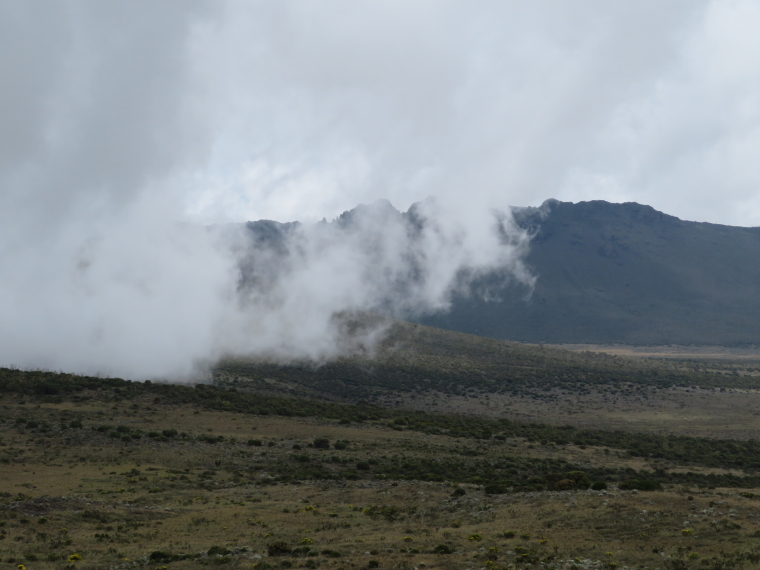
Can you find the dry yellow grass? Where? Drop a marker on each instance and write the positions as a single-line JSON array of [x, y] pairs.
[[732, 414], [79, 495]]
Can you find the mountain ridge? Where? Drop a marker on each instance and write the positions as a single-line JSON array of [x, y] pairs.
[[606, 273], [624, 273]]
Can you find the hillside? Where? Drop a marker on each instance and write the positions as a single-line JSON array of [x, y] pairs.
[[624, 273], [606, 273], [423, 368], [422, 359]]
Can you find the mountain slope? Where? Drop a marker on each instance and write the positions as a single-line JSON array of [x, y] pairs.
[[624, 273], [606, 273]]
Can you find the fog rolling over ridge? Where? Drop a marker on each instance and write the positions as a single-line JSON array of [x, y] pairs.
[[127, 128], [137, 138], [295, 278], [139, 298]]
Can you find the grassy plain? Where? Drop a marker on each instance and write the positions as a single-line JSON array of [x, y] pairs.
[[165, 484], [698, 391], [439, 450], [733, 413], [746, 354]]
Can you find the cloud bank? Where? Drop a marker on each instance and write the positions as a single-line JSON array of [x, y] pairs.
[[302, 285], [125, 128]]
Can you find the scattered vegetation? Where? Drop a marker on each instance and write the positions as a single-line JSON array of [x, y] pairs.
[[50, 387], [419, 358], [108, 473], [197, 494]]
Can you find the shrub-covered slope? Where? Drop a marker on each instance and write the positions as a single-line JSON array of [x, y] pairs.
[[420, 358]]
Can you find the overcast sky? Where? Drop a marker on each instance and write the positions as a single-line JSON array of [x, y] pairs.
[[300, 110], [120, 119]]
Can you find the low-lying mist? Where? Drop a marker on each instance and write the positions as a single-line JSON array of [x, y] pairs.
[[132, 295]]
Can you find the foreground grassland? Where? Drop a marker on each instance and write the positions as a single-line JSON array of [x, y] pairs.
[[103, 473]]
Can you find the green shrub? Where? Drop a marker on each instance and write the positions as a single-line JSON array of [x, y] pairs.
[[598, 486], [279, 548], [331, 553], [322, 443], [580, 478]]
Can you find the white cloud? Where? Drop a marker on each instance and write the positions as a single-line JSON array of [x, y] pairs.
[[121, 122]]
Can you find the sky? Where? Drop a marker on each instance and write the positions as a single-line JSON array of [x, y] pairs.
[[320, 106], [124, 127]]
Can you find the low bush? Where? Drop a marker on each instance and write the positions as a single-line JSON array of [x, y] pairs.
[[331, 553], [279, 548], [640, 485]]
